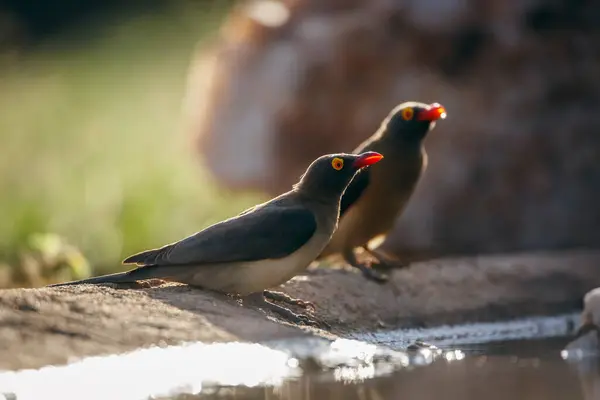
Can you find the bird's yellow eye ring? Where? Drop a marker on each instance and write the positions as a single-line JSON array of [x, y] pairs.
[[337, 163], [408, 114]]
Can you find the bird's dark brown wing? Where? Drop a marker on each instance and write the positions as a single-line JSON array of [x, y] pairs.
[[273, 231], [354, 190]]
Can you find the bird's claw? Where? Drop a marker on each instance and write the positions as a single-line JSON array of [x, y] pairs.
[[374, 275], [382, 262], [388, 265]]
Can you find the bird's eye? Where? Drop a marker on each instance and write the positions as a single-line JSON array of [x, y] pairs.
[[408, 114], [337, 163]]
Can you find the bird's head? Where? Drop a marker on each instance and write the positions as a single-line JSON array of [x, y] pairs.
[[329, 175], [411, 121]]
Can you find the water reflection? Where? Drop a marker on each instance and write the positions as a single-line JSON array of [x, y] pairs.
[[152, 372], [583, 357], [518, 365], [197, 368], [524, 369]]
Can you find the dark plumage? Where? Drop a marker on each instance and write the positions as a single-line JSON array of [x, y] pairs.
[[260, 248], [377, 195], [256, 240]]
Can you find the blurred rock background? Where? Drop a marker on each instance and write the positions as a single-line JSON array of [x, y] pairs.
[[515, 166], [127, 125]]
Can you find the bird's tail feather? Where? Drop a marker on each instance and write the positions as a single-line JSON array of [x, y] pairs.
[[168, 272], [120, 277], [143, 258]]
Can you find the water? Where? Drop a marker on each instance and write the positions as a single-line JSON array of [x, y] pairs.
[[515, 360], [530, 370]]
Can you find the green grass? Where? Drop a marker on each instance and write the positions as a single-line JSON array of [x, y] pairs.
[[92, 145]]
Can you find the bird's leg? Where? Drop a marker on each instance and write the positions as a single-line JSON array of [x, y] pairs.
[[284, 298], [384, 261], [585, 329], [258, 300], [367, 271]]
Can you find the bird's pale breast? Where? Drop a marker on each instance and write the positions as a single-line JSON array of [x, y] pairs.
[[250, 277], [375, 212]]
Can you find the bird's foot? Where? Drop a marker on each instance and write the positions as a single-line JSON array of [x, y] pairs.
[[372, 274], [366, 269], [284, 298], [385, 266], [585, 329], [382, 262]]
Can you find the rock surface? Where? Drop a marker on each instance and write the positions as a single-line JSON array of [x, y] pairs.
[[513, 168], [51, 325]]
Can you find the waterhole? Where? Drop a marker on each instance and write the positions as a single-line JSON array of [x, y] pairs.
[[521, 359]]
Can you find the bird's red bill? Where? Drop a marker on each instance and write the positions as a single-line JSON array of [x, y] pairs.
[[366, 159], [433, 113]]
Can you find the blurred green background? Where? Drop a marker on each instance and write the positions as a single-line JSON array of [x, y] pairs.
[[94, 165]]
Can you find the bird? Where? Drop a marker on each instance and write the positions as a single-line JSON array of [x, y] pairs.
[[260, 248], [378, 194], [590, 318]]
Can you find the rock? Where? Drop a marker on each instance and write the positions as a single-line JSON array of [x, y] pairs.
[[52, 325], [513, 168]]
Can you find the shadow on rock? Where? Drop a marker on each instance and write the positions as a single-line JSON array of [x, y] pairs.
[[226, 312]]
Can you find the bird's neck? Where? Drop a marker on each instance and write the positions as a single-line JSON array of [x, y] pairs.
[[314, 195], [320, 201], [393, 147], [403, 143], [325, 208]]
